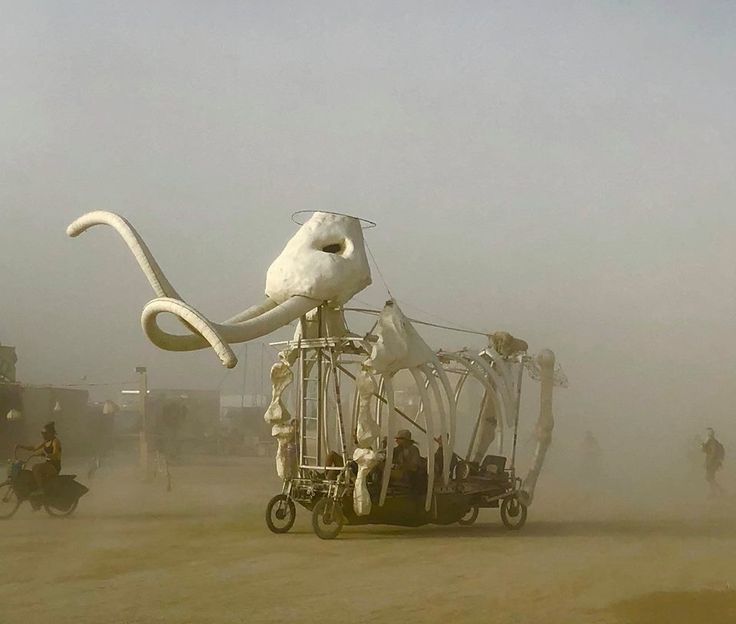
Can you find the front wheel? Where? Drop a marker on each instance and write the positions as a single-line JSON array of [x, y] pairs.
[[327, 518], [513, 513], [9, 501], [60, 513], [280, 513]]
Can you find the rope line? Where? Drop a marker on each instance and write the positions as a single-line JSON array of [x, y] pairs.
[[427, 323], [380, 273]]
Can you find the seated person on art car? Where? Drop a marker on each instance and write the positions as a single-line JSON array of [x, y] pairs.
[[407, 465]]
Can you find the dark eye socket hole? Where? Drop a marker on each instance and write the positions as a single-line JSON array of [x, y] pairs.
[[333, 248]]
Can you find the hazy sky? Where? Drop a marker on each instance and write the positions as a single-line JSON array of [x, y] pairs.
[[566, 171]]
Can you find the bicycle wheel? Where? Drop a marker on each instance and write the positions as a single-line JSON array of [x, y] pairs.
[[280, 514], [327, 519], [9, 501], [60, 513], [513, 513]]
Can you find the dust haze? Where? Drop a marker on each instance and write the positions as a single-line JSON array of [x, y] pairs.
[[566, 173]]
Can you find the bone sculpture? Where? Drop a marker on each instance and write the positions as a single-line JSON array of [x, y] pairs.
[[283, 426], [321, 268], [400, 347], [324, 261], [545, 361], [367, 433]]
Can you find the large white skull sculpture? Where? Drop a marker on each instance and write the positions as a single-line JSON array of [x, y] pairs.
[[325, 260]]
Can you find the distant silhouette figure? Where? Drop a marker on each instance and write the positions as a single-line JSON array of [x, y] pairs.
[[714, 456]]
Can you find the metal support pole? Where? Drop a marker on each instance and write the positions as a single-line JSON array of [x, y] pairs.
[[245, 375], [518, 407], [143, 434]]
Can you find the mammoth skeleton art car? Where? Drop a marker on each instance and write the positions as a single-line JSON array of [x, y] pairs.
[[335, 456], [334, 444]]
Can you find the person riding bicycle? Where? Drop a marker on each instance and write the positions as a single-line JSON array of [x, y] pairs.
[[50, 448]]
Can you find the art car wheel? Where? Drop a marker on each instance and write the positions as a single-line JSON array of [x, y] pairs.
[[470, 516], [327, 518], [9, 501], [61, 513], [513, 513], [280, 514]]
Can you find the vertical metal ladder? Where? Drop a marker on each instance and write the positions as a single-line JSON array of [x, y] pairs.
[[310, 370]]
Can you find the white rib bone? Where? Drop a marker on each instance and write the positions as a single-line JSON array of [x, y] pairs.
[[444, 432], [388, 429], [483, 373], [429, 423], [499, 380], [451, 402], [498, 406]]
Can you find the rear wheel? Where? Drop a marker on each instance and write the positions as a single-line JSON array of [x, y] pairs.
[[513, 513], [280, 514], [327, 519], [9, 501], [470, 516], [60, 513]]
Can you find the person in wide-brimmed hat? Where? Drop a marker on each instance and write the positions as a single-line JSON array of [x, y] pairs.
[[50, 448], [406, 458]]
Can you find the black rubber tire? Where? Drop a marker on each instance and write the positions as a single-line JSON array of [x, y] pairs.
[[9, 507], [276, 523], [58, 513], [470, 517], [327, 528], [513, 513]]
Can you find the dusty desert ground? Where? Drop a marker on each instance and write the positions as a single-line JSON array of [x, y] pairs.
[[134, 553]]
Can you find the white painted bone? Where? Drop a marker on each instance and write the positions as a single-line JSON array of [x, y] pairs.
[[367, 459], [324, 261], [545, 423], [281, 377], [399, 346], [285, 464], [367, 430], [277, 415]]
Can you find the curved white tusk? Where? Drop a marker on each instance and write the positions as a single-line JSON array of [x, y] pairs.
[[161, 286], [428, 420], [388, 428], [214, 334], [207, 331], [252, 312]]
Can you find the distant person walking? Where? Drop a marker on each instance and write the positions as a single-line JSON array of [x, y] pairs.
[[714, 455], [590, 455]]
